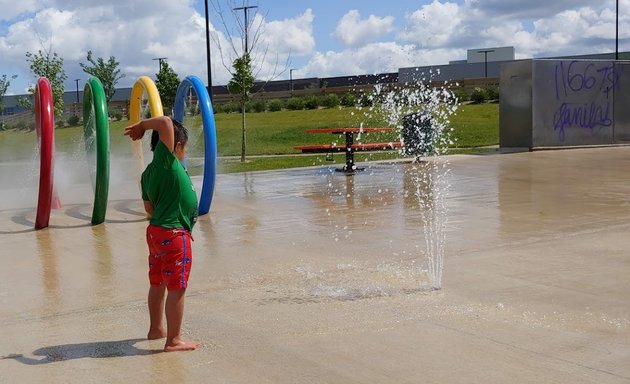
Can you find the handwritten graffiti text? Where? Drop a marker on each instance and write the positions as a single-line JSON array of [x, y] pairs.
[[584, 91], [572, 78], [587, 115]]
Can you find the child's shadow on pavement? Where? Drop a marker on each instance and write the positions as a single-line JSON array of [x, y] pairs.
[[100, 349]]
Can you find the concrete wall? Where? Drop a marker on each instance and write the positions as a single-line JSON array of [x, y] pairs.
[[551, 103], [515, 106]]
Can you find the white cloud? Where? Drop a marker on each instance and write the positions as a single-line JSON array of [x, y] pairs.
[[353, 32], [128, 10], [134, 38], [282, 41], [186, 52], [293, 36], [272, 45], [434, 25], [13, 8], [137, 31], [531, 9], [373, 58], [578, 24], [578, 31], [509, 34], [555, 32]]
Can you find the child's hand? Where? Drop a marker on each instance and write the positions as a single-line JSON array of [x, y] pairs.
[[135, 131]]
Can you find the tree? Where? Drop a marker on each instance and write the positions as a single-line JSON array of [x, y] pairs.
[[50, 66], [242, 66], [241, 85], [167, 83], [107, 72], [4, 85]]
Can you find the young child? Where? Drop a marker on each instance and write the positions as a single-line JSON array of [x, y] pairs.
[[171, 203]]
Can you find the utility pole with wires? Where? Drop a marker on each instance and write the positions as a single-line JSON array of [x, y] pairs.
[[208, 59], [245, 8], [160, 61]]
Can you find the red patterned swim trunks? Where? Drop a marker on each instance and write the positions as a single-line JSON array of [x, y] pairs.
[[170, 256]]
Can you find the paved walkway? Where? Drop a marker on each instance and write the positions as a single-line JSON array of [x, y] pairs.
[[308, 276]]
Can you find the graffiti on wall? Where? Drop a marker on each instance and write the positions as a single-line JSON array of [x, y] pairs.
[[584, 91]]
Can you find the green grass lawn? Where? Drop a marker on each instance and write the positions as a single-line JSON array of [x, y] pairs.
[[476, 125], [271, 133]]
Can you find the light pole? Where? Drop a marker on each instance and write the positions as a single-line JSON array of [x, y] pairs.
[[485, 60], [160, 60], [77, 81], [208, 62], [76, 109], [245, 8], [291, 79], [617, 31]]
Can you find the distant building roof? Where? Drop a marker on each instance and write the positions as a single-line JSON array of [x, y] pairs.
[[479, 63]]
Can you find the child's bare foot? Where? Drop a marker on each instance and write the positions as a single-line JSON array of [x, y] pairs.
[[180, 345], [155, 334]]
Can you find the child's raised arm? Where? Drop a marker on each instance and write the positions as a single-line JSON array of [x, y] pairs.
[[162, 124]]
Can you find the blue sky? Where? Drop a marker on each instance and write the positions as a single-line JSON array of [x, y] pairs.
[[315, 38]]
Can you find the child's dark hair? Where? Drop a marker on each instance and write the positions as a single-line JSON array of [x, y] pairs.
[[179, 131]]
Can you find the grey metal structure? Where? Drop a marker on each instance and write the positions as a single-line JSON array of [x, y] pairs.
[[454, 71], [555, 103], [480, 55]]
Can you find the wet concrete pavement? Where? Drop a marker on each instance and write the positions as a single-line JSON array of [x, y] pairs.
[[308, 276]]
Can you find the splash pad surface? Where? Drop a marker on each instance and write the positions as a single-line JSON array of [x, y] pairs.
[[309, 276]]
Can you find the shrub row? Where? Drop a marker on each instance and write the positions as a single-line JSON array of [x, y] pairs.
[[478, 95], [293, 104], [20, 125], [75, 121], [72, 121]]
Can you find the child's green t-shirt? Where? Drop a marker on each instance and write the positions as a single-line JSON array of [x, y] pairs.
[[166, 184]]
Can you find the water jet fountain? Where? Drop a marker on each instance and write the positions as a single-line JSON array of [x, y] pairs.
[[421, 115]]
